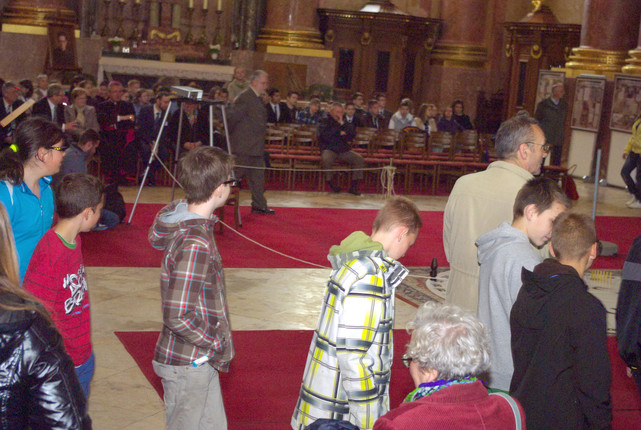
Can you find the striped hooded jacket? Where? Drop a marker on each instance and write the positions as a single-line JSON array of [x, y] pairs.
[[350, 358]]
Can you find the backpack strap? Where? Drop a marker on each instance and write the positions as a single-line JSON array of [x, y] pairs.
[[514, 406]]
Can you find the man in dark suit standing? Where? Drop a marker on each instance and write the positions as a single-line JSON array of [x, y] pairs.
[[551, 114], [9, 103], [149, 123], [116, 119], [51, 107], [385, 114], [276, 110], [247, 127]]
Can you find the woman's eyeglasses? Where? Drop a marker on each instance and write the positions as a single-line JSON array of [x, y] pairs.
[[406, 359]]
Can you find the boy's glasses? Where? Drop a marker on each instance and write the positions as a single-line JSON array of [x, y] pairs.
[[232, 182], [406, 359], [62, 148]]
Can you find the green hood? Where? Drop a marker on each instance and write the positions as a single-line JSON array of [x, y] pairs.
[[357, 241]]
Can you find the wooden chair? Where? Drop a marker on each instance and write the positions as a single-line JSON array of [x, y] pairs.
[[467, 146], [277, 144], [305, 156], [412, 144], [234, 201]]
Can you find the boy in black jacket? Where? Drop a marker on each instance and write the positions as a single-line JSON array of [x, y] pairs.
[[629, 312], [561, 365]]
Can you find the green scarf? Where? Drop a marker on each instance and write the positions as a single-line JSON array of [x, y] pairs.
[[427, 388]]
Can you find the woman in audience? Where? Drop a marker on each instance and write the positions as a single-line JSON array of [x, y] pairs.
[[26, 89], [632, 157], [421, 120], [460, 117], [142, 98], [432, 116], [448, 350], [447, 123], [25, 176], [38, 385], [84, 115]]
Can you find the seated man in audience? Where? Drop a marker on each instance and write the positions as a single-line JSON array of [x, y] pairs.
[[335, 138], [503, 253], [150, 122], [562, 370], [290, 110], [350, 115], [385, 114], [372, 117], [350, 358], [359, 105], [116, 119], [312, 114], [42, 83], [9, 103], [75, 161], [193, 130], [51, 108], [402, 118], [275, 108]]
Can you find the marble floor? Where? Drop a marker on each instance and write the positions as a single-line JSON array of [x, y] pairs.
[[129, 299]]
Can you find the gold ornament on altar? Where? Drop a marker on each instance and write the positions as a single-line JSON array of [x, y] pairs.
[[537, 5]]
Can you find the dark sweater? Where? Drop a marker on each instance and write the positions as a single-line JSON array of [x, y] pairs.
[[330, 137], [561, 365]]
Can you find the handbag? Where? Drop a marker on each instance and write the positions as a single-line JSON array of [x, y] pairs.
[[570, 185]]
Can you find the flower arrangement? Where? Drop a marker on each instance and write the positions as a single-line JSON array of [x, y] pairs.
[[115, 41], [214, 50]]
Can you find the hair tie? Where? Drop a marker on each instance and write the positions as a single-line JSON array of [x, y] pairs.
[[14, 147]]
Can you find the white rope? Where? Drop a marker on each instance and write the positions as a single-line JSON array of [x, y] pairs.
[[271, 249], [387, 180]]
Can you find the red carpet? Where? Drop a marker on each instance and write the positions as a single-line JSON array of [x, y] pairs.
[[261, 389], [304, 233]]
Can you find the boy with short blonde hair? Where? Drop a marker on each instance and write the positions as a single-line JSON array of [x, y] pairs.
[[561, 364], [349, 363]]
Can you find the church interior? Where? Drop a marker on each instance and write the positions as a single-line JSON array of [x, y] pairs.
[[497, 57]]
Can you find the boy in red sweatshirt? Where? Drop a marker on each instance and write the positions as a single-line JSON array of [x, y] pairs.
[[56, 273]]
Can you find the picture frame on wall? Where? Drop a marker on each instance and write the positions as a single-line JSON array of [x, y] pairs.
[[626, 102], [62, 47], [547, 79], [588, 103]]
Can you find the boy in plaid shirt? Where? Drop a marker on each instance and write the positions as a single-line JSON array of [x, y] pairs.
[[195, 342]]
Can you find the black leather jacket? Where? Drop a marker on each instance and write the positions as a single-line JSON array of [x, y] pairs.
[[38, 386]]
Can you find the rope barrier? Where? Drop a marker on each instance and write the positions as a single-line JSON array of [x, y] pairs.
[[293, 169]]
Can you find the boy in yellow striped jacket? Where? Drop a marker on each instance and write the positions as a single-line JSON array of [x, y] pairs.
[[350, 358]]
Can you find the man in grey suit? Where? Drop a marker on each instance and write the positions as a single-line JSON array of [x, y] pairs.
[[551, 114], [247, 127]]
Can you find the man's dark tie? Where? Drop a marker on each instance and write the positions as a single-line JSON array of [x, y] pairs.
[[54, 116]]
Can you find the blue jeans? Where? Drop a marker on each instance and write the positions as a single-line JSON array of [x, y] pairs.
[[84, 372], [633, 161], [108, 218]]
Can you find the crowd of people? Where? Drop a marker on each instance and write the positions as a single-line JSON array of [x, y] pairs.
[[520, 341]]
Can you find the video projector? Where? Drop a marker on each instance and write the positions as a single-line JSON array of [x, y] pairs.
[[187, 92]]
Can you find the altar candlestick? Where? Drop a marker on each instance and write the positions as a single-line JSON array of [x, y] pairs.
[[204, 4], [220, 4], [191, 4]]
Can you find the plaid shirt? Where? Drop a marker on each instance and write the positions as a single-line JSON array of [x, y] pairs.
[[306, 118], [195, 315], [349, 364]]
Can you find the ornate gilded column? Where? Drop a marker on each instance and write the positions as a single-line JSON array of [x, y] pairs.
[[609, 30], [290, 23], [634, 62], [37, 13]]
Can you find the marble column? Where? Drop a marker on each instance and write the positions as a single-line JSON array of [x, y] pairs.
[[633, 66], [38, 13], [290, 23], [609, 30], [460, 54]]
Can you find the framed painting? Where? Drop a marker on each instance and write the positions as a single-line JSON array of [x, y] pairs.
[[547, 79], [626, 102], [588, 102], [62, 47]]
